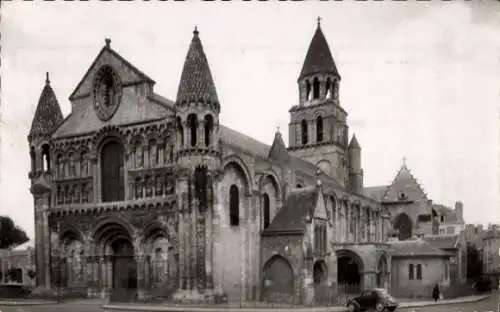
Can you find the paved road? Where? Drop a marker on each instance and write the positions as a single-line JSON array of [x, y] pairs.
[[482, 306]]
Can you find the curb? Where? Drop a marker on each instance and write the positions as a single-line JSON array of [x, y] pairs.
[[216, 309], [26, 303], [109, 307], [432, 304]]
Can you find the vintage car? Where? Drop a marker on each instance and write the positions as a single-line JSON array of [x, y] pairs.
[[376, 299]]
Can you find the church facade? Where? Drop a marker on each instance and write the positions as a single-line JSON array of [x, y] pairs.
[[138, 194]]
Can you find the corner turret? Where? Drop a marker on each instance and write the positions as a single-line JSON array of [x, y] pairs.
[[48, 117], [198, 109], [355, 169]]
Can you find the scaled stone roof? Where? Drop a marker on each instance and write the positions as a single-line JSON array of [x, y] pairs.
[[278, 149], [442, 241], [196, 79], [414, 248], [292, 217], [319, 57], [48, 115], [354, 143]]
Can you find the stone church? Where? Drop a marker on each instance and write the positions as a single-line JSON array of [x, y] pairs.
[[153, 198]]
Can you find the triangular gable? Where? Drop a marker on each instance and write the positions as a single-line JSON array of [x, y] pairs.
[[128, 72], [320, 208], [404, 187]]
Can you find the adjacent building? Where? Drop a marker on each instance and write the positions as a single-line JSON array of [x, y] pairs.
[[17, 265]]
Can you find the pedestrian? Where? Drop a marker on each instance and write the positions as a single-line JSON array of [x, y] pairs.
[[435, 293]]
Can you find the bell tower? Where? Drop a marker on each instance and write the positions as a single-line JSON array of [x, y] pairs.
[[318, 131], [48, 117]]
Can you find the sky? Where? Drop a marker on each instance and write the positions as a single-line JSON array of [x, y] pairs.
[[420, 80]]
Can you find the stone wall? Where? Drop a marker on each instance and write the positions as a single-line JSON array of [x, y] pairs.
[[433, 272]]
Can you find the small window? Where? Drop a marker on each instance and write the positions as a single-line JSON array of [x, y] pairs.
[[442, 219], [419, 272], [267, 217], [303, 126], [410, 271], [234, 206]]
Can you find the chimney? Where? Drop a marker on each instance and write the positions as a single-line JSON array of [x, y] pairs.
[[459, 211]]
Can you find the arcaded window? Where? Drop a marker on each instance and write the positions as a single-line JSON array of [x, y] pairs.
[[234, 206], [316, 88], [72, 165], [112, 178], [267, 212], [180, 131], [33, 159], [308, 90], [319, 129], [46, 158], [193, 128], [83, 164], [209, 126], [303, 127], [329, 88]]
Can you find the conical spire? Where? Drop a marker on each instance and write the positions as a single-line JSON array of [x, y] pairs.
[[354, 143], [48, 115], [196, 80], [318, 58], [278, 150]]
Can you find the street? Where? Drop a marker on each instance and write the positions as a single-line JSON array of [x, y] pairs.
[[486, 305]]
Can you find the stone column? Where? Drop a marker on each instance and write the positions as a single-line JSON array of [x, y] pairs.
[[139, 258], [96, 172], [347, 220]]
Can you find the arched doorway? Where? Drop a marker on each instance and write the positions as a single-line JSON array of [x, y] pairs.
[[321, 289], [403, 224], [118, 269], [124, 265], [277, 281], [349, 272], [382, 271]]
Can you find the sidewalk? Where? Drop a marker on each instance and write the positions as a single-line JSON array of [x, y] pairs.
[[428, 303], [257, 308], [25, 302]]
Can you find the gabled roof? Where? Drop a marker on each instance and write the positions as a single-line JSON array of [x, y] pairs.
[[262, 150], [48, 115], [404, 183], [443, 241], [415, 248], [375, 192], [319, 57], [196, 82], [107, 49], [278, 150], [292, 217], [449, 214]]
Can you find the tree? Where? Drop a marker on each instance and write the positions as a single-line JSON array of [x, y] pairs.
[[10, 234]]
